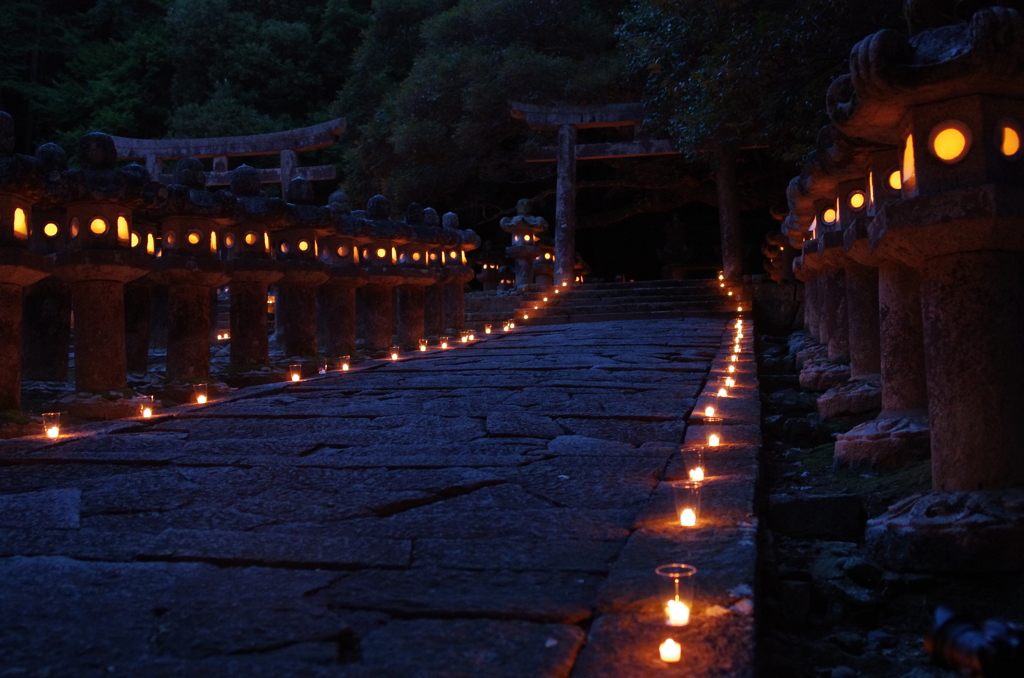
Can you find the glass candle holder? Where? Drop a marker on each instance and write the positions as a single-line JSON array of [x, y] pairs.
[[394, 352], [471, 335], [733, 358], [147, 406], [200, 392], [423, 345], [670, 651], [687, 499], [730, 382], [732, 369], [676, 592], [511, 324], [444, 342], [464, 336], [695, 468], [51, 424], [505, 327], [712, 431], [709, 411], [295, 372], [344, 363], [487, 329], [720, 389]]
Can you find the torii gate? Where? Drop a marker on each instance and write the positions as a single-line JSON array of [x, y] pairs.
[[287, 143], [567, 119]]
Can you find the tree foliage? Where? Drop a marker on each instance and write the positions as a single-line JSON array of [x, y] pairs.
[[753, 71]]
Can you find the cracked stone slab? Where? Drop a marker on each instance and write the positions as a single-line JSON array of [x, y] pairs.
[[44, 510], [628, 430], [518, 554], [516, 422]]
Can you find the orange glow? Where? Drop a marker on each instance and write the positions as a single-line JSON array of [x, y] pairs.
[[950, 141], [688, 518], [857, 200], [909, 173], [295, 377], [150, 243], [697, 474], [122, 228], [713, 440], [1010, 143], [251, 238], [381, 252], [194, 237], [201, 399], [50, 229], [709, 411], [829, 216], [303, 246], [20, 223], [135, 239], [98, 226], [678, 614]]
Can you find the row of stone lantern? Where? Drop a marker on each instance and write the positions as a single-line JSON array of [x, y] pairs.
[[912, 244], [102, 237]]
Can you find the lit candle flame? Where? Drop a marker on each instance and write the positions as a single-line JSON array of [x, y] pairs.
[[730, 293], [733, 357], [732, 368], [147, 412], [53, 431], [201, 399], [344, 367], [394, 356], [487, 331], [688, 518], [722, 393], [444, 344], [739, 308], [713, 440], [423, 347], [545, 298], [472, 337], [295, 377], [697, 474], [678, 613], [730, 382], [709, 411]]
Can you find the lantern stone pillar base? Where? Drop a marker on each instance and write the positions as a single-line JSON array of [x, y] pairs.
[[951, 532], [10, 346], [862, 318], [806, 268], [410, 315], [138, 307], [250, 280], [97, 279], [858, 396], [338, 302], [455, 297], [46, 334], [834, 326], [433, 313], [377, 317], [886, 442], [188, 281], [297, 306]]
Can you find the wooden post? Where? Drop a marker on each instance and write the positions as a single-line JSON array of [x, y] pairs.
[[728, 211], [565, 206]]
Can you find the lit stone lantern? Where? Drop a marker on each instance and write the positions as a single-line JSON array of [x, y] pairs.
[[190, 267], [524, 230], [100, 261], [46, 309], [246, 245], [491, 261], [544, 264], [434, 321], [297, 248], [379, 261], [337, 297], [457, 243], [832, 279], [20, 187], [138, 294], [414, 262]]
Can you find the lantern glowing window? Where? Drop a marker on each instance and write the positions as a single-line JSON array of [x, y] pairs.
[[303, 246], [20, 223], [251, 238], [213, 241], [909, 173], [949, 141], [433, 256], [51, 229], [194, 237], [1009, 138], [547, 255], [871, 190], [829, 215], [283, 247], [150, 243], [857, 200], [895, 180], [342, 251], [122, 228], [170, 238], [266, 242], [454, 256], [416, 256], [135, 239], [526, 238], [229, 240], [98, 226], [74, 227], [381, 252]]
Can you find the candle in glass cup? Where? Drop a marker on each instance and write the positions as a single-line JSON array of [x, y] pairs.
[[51, 424], [146, 404], [295, 372], [200, 391], [670, 651]]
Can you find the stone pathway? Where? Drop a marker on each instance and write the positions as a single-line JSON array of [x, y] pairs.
[[490, 511]]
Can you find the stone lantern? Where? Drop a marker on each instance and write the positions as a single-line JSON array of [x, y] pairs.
[[457, 243], [544, 265], [46, 330], [337, 297], [190, 267], [524, 229], [414, 262], [246, 244], [100, 259], [138, 294], [433, 298], [297, 247], [20, 187], [379, 261], [491, 260]]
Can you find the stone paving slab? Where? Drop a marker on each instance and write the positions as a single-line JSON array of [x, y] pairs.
[[492, 510]]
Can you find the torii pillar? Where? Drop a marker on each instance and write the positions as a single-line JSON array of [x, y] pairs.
[[568, 119]]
